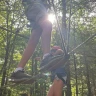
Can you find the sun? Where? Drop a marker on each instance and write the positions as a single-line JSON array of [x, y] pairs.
[[51, 18]]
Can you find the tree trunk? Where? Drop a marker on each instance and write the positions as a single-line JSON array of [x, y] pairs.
[[87, 74], [75, 74], [68, 92]]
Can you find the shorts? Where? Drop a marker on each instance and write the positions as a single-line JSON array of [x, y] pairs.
[[34, 10], [59, 74]]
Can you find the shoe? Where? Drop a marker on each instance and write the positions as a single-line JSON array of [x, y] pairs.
[[46, 60], [19, 76]]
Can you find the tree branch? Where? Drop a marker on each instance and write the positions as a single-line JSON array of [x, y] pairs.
[[14, 32]]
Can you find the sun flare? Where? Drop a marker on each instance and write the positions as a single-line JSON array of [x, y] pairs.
[[51, 18]]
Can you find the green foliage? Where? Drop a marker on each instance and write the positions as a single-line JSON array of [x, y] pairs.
[[14, 37]]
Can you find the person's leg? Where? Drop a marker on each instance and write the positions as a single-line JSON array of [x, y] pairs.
[[58, 87], [46, 35], [45, 28], [34, 38], [19, 74], [51, 91]]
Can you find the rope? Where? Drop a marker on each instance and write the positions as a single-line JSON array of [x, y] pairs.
[[41, 74], [68, 33], [34, 78], [82, 43], [59, 29]]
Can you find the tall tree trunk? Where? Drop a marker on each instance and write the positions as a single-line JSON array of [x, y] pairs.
[[82, 89], [64, 29], [75, 66], [93, 80], [87, 70], [3, 81], [36, 83], [64, 32], [75, 74], [86, 65], [87, 75], [68, 92]]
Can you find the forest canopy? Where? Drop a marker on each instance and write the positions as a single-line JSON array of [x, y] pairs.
[[76, 20]]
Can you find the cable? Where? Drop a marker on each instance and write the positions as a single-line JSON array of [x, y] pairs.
[[62, 40], [82, 43], [68, 33]]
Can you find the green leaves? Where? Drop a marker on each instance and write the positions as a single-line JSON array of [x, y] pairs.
[[14, 36]]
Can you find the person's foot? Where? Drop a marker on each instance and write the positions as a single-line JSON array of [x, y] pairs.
[[19, 76], [47, 59]]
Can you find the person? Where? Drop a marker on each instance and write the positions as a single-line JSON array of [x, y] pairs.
[[36, 13], [59, 76]]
